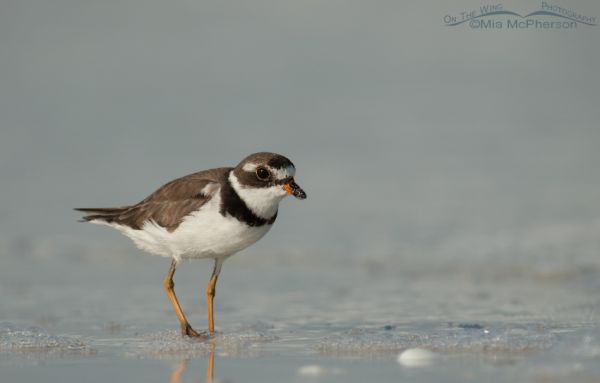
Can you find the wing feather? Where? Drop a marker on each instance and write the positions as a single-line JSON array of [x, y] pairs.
[[168, 205]]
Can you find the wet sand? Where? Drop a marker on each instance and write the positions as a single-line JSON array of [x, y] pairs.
[[298, 317]]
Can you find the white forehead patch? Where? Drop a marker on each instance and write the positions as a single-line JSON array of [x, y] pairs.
[[279, 174], [284, 173]]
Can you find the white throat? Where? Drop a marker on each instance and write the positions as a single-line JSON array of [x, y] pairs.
[[261, 201]]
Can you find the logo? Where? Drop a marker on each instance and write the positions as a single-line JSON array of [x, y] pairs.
[[549, 17]]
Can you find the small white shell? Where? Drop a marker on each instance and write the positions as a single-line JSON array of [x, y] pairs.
[[416, 357]]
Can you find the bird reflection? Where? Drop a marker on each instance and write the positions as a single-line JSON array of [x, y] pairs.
[[210, 369], [178, 371]]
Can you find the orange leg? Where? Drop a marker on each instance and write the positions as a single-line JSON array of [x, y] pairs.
[[169, 285], [210, 295]]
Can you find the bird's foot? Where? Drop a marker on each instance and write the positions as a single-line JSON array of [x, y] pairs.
[[187, 330]]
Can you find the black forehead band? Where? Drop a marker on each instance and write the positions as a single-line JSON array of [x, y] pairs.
[[279, 162]]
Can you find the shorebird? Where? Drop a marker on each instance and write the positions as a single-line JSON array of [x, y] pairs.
[[212, 214]]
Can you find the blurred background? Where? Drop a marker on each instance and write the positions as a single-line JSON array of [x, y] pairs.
[[450, 152], [404, 131]]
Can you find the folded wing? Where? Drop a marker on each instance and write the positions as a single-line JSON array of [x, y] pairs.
[[168, 205]]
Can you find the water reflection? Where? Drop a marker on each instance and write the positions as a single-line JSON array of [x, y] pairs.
[[180, 369], [210, 369]]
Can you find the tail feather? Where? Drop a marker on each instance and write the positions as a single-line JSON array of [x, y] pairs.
[[101, 210], [101, 213]]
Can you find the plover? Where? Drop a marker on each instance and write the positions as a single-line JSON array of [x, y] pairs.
[[209, 214]]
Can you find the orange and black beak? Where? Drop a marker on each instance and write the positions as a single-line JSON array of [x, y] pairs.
[[292, 188]]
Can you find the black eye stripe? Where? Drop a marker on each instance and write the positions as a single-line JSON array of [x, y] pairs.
[[283, 181]]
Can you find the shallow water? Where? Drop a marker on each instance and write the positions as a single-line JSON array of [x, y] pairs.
[[280, 318]]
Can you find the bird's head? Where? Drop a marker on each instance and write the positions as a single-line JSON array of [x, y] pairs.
[[263, 179]]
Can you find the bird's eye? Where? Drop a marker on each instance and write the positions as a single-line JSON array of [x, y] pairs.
[[263, 174]]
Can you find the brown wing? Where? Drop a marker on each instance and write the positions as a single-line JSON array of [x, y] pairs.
[[168, 205]]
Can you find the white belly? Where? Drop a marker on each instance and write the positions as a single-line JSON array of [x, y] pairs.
[[203, 234]]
